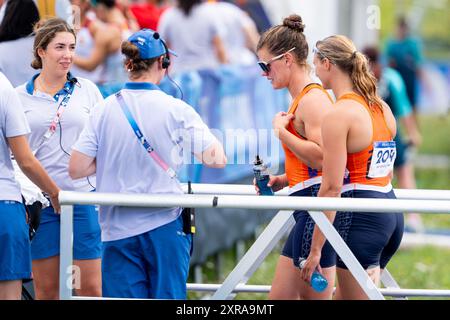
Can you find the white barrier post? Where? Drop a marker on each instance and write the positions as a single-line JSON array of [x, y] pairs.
[[66, 257], [256, 254], [389, 282]]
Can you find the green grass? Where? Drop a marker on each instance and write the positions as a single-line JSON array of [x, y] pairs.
[[436, 134], [436, 140], [421, 268], [434, 179]]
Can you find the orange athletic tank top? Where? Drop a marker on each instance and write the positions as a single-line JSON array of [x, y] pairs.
[[296, 171], [359, 164]]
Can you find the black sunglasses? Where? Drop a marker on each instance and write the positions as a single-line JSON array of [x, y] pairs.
[[265, 66]]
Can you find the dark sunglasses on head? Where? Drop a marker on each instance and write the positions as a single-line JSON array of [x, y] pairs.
[[265, 66]]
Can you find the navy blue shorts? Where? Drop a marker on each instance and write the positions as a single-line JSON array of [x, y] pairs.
[[298, 244], [15, 254], [372, 237]]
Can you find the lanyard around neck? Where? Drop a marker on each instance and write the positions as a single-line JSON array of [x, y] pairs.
[[62, 106], [141, 137]]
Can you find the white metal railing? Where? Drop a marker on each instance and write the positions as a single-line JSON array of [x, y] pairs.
[[392, 292], [268, 238], [242, 189]]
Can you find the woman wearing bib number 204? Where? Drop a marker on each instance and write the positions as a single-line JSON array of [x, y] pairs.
[[358, 157]]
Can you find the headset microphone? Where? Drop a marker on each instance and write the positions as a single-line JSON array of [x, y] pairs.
[[166, 63], [74, 81], [166, 59]]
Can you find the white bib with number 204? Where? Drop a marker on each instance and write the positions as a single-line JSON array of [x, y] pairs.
[[383, 158]]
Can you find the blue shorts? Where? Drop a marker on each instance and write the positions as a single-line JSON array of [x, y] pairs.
[[372, 237], [86, 236], [154, 264], [298, 243], [15, 255]]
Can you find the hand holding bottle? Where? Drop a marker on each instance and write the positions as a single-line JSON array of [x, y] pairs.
[[277, 183], [312, 272]]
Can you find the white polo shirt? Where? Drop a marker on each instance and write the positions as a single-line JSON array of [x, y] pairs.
[[124, 166], [40, 109], [15, 60], [12, 124]]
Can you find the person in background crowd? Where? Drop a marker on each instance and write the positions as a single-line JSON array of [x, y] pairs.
[[124, 7], [47, 9], [90, 34], [107, 38], [404, 54], [110, 11], [57, 106], [195, 34], [241, 36], [148, 12], [145, 250], [16, 40]]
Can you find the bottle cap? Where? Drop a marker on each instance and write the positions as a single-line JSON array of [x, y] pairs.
[[301, 262], [258, 160]]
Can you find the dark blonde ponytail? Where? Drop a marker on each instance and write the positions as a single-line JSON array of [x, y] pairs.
[[364, 81], [342, 52]]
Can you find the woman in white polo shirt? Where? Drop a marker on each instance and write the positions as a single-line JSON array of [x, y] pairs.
[[15, 253], [57, 105], [145, 251]]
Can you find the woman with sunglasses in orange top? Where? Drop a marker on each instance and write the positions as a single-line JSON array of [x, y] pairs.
[[283, 51]]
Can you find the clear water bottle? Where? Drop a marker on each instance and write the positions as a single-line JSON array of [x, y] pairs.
[[262, 177], [318, 281]]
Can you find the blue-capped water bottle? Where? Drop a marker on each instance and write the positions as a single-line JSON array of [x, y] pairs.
[[317, 281], [262, 177]]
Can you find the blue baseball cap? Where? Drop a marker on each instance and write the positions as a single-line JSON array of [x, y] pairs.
[[149, 43]]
